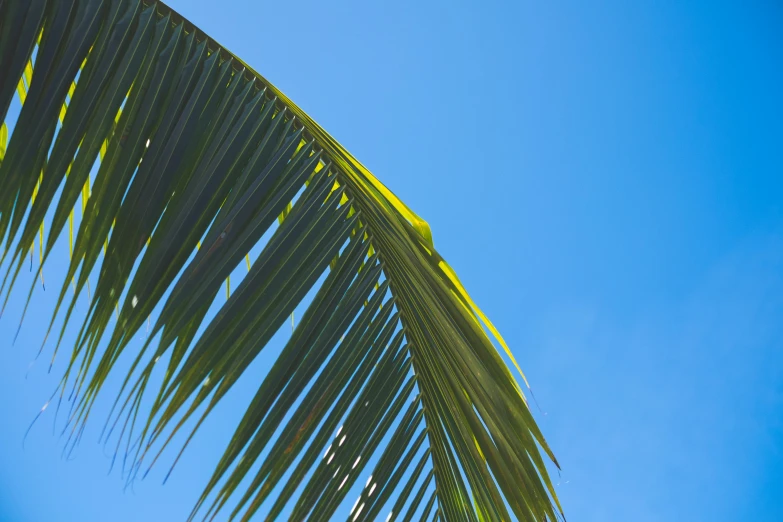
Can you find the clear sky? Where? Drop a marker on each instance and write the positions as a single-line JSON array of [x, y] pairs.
[[606, 179]]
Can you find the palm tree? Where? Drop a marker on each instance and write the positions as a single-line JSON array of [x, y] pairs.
[[390, 373]]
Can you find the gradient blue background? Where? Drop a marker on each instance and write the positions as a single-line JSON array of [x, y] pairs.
[[605, 177]]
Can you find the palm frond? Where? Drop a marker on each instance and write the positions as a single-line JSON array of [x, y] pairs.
[[186, 159]]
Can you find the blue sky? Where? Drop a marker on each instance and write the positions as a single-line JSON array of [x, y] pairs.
[[605, 179]]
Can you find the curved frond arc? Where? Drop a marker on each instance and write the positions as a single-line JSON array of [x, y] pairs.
[[389, 396]]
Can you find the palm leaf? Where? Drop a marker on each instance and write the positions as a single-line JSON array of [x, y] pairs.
[[389, 376]]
